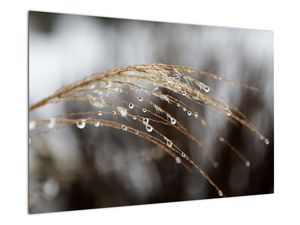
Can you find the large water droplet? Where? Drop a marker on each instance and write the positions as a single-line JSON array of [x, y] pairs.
[[144, 110], [130, 106], [145, 120], [189, 113], [178, 160], [149, 128], [124, 127], [140, 99], [81, 124], [173, 121]]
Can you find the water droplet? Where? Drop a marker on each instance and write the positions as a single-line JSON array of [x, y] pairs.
[[51, 123], [149, 128], [97, 124], [134, 117], [206, 88], [178, 160], [99, 113], [145, 120], [81, 124], [183, 154], [183, 93], [220, 193], [173, 121], [203, 122], [228, 112], [247, 163], [31, 125], [169, 143], [221, 139], [124, 127], [92, 86], [178, 105], [184, 109], [136, 132], [155, 88], [108, 84], [114, 112], [130, 106], [140, 99], [144, 110], [196, 114], [189, 113], [267, 141]]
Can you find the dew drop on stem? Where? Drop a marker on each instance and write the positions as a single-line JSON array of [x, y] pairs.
[[130, 106], [81, 124], [145, 120], [189, 113], [178, 160], [173, 121], [169, 143], [124, 127], [149, 128], [267, 141]]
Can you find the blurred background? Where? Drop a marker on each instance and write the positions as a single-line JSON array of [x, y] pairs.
[[79, 169]]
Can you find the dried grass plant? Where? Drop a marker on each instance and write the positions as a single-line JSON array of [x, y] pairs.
[[135, 99]]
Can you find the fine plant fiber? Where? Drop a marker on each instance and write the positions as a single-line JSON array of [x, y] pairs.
[[135, 99]]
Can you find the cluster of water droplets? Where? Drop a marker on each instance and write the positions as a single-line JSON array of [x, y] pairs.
[[148, 127]]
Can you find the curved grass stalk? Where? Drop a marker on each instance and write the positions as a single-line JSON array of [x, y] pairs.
[[99, 90]]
